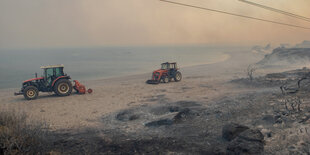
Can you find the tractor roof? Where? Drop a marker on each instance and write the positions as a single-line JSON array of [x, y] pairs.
[[169, 63], [52, 66]]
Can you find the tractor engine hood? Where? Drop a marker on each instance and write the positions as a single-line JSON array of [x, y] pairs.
[[33, 79], [160, 71]]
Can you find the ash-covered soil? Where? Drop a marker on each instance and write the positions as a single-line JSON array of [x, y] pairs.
[[196, 127], [277, 80], [281, 56]]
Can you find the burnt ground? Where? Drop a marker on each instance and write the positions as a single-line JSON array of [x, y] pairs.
[[195, 127]]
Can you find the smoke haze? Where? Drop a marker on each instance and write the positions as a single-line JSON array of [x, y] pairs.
[[80, 23]]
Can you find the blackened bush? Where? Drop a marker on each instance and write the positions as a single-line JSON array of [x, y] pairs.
[[19, 136]]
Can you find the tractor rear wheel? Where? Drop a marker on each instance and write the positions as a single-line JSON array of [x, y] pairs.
[[63, 87], [31, 92], [178, 76], [166, 79]]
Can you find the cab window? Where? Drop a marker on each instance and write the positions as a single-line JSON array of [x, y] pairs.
[[171, 66], [164, 66], [49, 72], [58, 72]]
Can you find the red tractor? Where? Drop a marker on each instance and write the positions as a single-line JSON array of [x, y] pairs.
[[53, 80], [167, 72]]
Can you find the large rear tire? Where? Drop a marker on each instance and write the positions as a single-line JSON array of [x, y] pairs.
[[31, 92], [178, 76], [63, 87]]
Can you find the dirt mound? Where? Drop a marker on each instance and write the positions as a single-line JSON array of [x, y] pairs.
[[127, 115], [184, 115], [178, 116], [243, 140], [158, 123], [160, 114], [164, 110], [231, 131], [247, 142]]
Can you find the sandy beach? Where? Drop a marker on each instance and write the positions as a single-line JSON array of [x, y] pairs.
[[200, 83], [83, 117]]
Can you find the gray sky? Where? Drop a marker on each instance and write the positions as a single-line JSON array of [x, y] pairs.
[[86, 23]]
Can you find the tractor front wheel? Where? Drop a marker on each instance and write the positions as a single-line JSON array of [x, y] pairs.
[[31, 92], [166, 79], [63, 87], [178, 77]]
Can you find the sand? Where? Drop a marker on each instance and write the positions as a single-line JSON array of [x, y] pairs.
[[200, 83]]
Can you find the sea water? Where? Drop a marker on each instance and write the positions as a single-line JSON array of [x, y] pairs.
[[102, 62]]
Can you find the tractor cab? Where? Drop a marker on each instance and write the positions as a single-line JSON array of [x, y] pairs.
[[52, 72], [168, 66]]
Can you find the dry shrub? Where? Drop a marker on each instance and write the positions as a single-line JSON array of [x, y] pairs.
[[250, 72], [19, 136]]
